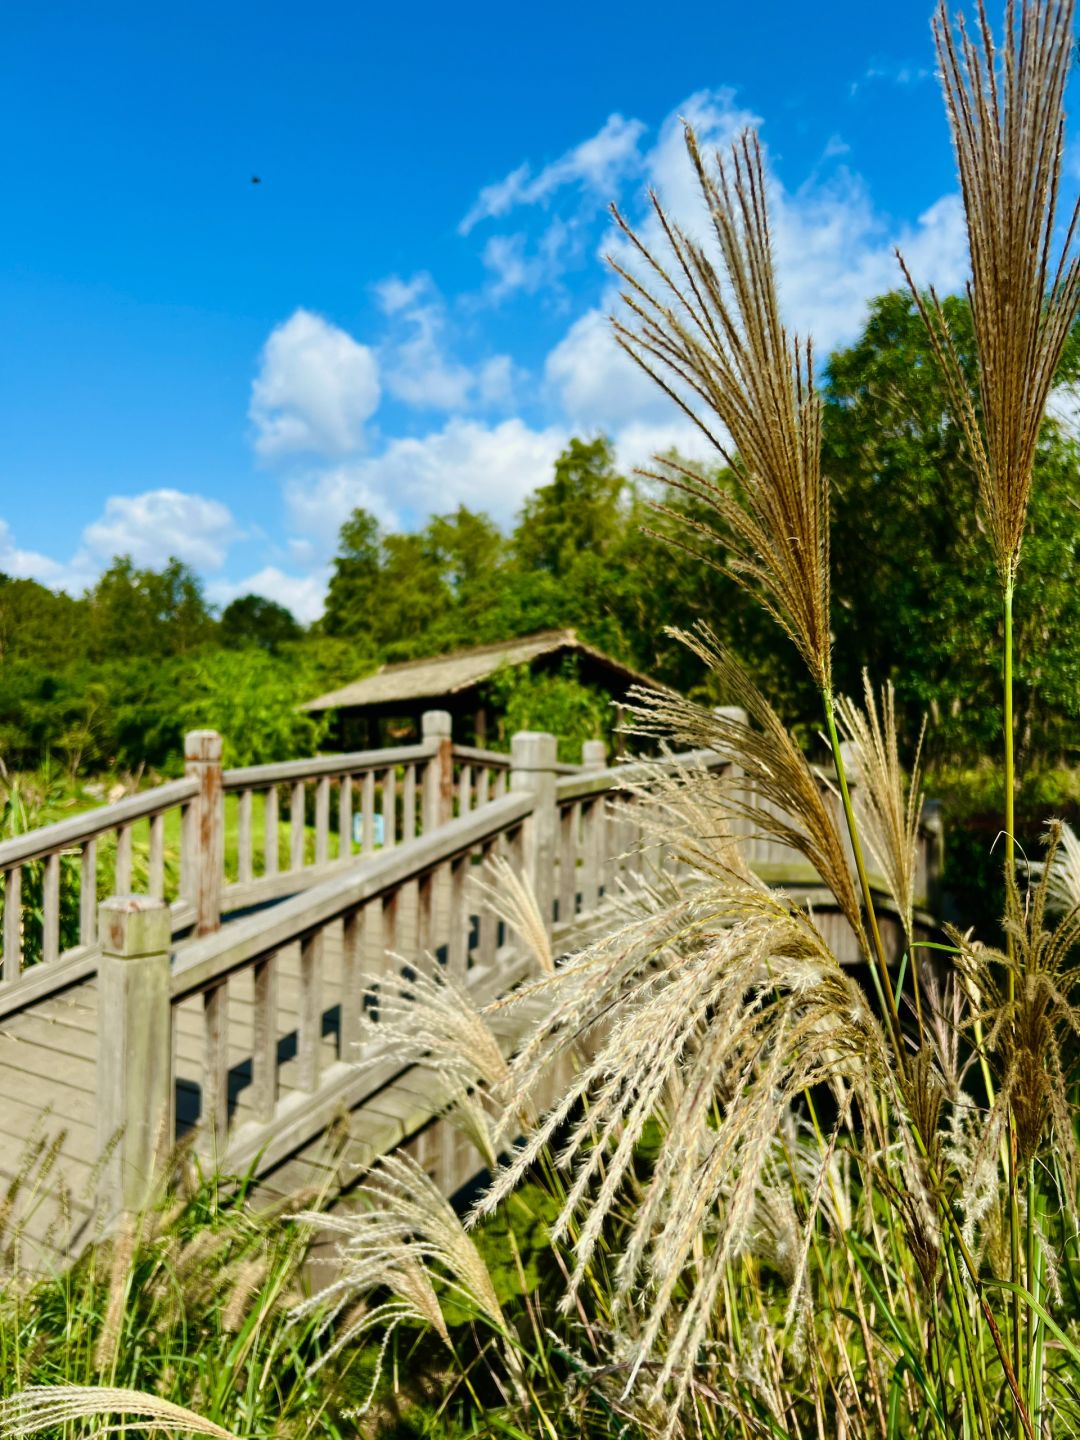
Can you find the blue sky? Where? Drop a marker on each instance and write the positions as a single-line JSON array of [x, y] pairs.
[[408, 311]]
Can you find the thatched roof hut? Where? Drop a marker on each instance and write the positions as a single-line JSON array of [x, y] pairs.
[[399, 694]]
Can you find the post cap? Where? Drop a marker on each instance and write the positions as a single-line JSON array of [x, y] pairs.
[[131, 926], [436, 725], [594, 755], [204, 746], [533, 750]]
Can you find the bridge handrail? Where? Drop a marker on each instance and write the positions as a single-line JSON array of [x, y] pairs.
[[311, 768], [76, 839], [62, 834], [205, 962]]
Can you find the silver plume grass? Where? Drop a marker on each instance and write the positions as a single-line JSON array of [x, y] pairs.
[[778, 792], [715, 1024], [709, 333], [1006, 112], [888, 801], [401, 1232], [44, 1407]]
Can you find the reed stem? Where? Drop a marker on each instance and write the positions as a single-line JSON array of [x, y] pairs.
[[864, 880], [1016, 1306]]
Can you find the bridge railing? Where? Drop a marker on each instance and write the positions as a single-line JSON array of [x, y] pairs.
[[221, 841], [262, 1034], [52, 878]]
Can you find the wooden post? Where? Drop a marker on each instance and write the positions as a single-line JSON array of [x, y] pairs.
[[206, 834], [594, 755], [439, 775], [134, 1062], [532, 767]]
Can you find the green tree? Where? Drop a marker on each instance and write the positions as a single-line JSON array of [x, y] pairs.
[[253, 699], [913, 587], [253, 621], [147, 613], [354, 579]]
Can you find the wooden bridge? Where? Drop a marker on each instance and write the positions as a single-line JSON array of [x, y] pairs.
[[218, 990]]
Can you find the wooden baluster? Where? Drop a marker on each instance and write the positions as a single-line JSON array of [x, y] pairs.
[[457, 950], [12, 923], [296, 826], [88, 893], [322, 820], [189, 862], [465, 790], [345, 818], [590, 876], [122, 883], [309, 1024], [569, 825], [264, 1069], [391, 910], [244, 867], [270, 832], [157, 857], [352, 994], [488, 939], [202, 763], [369, 811], [408, 805], [426, 888], [389, 808], [50, 910], [215, 1099]]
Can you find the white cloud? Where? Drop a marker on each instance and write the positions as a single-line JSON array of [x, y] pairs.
[[834, 253], [394, 293], [419, 372], [302, 594], [315, 389], [893, 72], [417, 364], [151, 528], [486, 467], [158, 524], [597, 385], [26, 564], [597, 166]]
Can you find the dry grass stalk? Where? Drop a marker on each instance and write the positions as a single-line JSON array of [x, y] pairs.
[[1032, 1025], [27, 1412], [509, 898], [778, 792], [713, 340], [1064, 884], [434, 1023], [717, 1023], [1006, 113], [403, 1231], [888, 802]]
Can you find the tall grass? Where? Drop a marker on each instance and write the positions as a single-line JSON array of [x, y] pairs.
[[767, 1199]]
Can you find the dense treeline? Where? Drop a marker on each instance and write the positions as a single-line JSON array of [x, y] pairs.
[[113, 679]]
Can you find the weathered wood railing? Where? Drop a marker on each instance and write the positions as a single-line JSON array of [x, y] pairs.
[[409, 904], [70, 864], [222, 840]]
